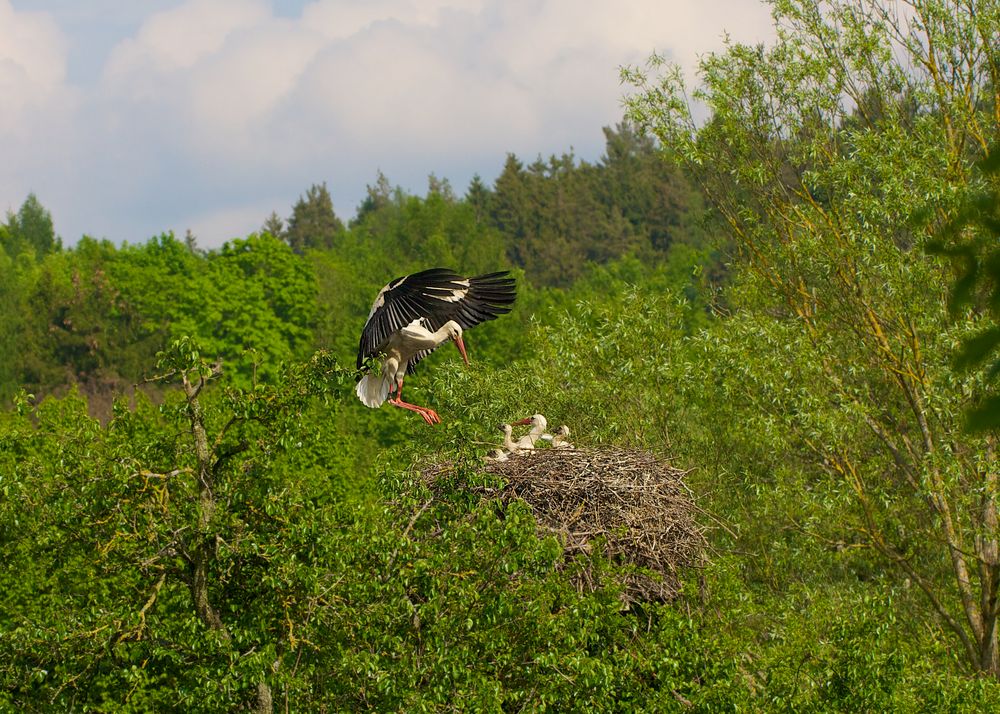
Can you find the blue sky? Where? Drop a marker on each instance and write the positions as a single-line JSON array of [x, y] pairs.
[[128, 119]]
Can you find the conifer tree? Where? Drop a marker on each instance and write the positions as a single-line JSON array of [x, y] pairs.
[[313, 223]]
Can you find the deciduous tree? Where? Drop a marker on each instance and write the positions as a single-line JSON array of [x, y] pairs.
[[32, 226], [844, 344]]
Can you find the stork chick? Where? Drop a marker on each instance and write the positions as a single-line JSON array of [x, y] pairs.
[[538, 426], [509, 447], [561, 438]]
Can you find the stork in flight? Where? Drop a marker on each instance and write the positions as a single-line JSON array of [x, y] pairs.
[[415, 314]]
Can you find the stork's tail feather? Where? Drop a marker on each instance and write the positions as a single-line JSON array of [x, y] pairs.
[[372, 390]]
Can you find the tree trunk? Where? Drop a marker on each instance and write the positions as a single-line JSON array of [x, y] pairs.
[[205, 548]]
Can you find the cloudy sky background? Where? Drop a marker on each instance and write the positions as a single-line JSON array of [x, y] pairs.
[[128, 119]]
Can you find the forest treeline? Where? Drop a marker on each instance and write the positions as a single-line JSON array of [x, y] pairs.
[[794, 299], [96, 314]]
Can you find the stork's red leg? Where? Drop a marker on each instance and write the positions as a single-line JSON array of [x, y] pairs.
[[429, 415]]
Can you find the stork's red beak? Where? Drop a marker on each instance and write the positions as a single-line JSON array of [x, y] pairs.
[[522, 422], [461, 348]]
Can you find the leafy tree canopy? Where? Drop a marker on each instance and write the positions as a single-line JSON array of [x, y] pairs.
[[30, 228]]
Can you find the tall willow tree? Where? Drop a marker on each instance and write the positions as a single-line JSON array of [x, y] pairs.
[[818, 154]]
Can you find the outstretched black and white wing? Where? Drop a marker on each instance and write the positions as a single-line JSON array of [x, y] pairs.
[[434, 296]]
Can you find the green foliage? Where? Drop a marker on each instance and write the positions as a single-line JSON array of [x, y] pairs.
[[96, 315], [820, 153], [80, 327], [560, 215], [466, 604], [469, 610], [103, 616], [970, 240], [12, 318], [30, 229], [246, 531], [262, 301], [274, 226], [313, 224]]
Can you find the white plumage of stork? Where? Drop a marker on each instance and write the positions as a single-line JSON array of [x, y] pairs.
[[509, 447], [561, 438], [538, 426], [414, 315]]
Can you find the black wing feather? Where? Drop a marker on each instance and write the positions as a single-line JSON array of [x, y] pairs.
[[411, 297], [488, 297]]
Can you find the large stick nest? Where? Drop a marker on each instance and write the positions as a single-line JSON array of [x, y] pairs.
[[631, 504]]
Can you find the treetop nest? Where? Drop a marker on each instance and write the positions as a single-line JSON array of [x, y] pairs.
[[632, 504]]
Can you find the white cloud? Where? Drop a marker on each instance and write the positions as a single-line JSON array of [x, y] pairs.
[[231, 98], [340, 19], [413, 91], [210, 110], [32, 61], [37, 136], [181, 37]]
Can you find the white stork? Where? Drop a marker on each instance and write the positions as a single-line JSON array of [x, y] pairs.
[[561, 438], [508, 438], [415, 314], [509, 447], [538, 426]]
